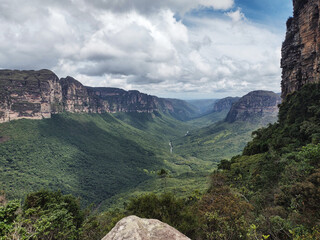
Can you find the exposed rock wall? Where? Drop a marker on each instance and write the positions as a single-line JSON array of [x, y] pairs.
[[38, 94], [301, 49], [224, 104], [134, 228], [256, 105], [28, 94]]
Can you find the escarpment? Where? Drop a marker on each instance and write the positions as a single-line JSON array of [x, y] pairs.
[[255, 105], [38, 94], [224, 104], [29, 94], [301, 49]]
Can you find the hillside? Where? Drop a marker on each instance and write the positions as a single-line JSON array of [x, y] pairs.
[[92, 156], [224, 139], [215, 112], [278, 172]]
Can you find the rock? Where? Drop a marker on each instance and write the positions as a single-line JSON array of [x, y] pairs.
[[301, 48], [259, 106], [135, 228], [38, 94], [28, 94], [224, 104]]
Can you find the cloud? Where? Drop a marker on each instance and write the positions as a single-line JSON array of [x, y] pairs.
[[236, 15], [140, 44]]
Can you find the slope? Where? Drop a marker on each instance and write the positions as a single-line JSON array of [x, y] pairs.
[[279, 169], [94, 156]]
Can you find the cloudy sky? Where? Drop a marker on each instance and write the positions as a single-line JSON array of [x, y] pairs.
[[170, 48]]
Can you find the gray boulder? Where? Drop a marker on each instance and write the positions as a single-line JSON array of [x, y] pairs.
[[135, 228]]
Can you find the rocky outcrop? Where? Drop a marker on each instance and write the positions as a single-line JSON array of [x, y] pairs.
[[224, 104], [256, 105], [29, 94], [38, 94], [134, 228], [301, 49]]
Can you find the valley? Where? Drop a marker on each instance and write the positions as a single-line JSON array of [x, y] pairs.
[[106, 158]]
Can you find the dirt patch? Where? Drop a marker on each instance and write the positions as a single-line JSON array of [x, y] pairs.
[[4, 139]]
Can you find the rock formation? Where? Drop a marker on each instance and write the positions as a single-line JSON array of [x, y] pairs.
[[134, 228], [224, 104], [29, 94], [38, 94], [255, 105], [301, 49]]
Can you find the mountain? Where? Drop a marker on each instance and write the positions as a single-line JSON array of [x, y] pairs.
[[39, 94], [300, 50], [224, 104], [227, 138], [255, 105], [203, 106], [278, 171], [215, 113]]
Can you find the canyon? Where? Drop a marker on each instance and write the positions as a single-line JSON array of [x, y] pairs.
[[39, 94]]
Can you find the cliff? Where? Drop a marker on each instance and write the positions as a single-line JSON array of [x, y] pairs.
[[300, 50], [254, 105], [29, 94], [224, 104], [38, 94]]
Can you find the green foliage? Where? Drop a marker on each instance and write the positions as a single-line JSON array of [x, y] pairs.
[[167, 208], [279, 169], [8, 215], [92, 156], [98, 225], [44, 215]]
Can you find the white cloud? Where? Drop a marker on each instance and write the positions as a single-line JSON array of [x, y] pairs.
[[236, 16], [134, 45]]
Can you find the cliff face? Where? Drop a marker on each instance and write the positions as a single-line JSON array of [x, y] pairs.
[[38, 94], [28, 94], [224, 104], [301, 49], [255, 105]]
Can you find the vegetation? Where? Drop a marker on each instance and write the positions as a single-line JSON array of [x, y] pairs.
[[278, 172], [44, 215]]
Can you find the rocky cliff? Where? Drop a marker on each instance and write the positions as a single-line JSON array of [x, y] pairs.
[[301, 49], [29, 94], [134, 228], [224, 104], [255, 105], [38, 94]]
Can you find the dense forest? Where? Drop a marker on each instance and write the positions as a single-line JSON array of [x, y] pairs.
[[270, 191]]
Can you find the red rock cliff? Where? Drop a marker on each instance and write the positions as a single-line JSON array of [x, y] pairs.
[[301, 49]]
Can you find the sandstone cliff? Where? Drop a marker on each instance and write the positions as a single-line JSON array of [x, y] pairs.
[[301, 48], [38, 94], [29, 94], [256, 105], [224, 104], [134, 228]]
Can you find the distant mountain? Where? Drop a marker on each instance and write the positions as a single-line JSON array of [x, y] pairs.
[[224, 104], [259, 105], [203, 106], [224, 139], [38, 94]]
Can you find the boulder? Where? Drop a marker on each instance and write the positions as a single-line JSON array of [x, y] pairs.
[[135, 228]]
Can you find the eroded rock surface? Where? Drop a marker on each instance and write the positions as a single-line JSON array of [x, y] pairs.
[[301, 49], [256, 105], [38, 94], [134, 228]]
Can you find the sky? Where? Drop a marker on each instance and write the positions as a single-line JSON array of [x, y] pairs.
[[187, 49]]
